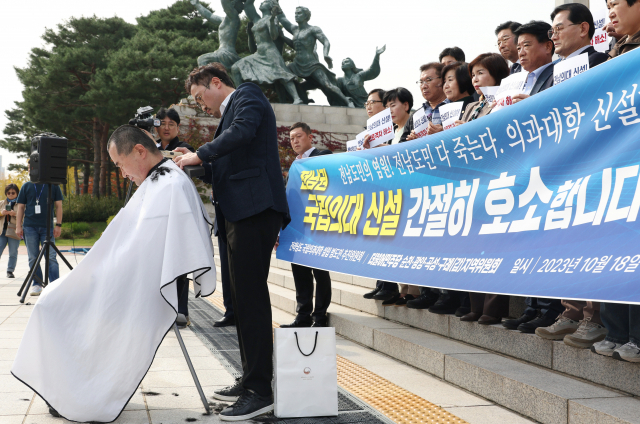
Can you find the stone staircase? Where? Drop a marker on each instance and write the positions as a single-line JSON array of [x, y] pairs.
[[543, 380]]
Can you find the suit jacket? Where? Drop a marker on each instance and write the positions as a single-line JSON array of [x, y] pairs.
[[244, 170], [544, 81], [317, 152]]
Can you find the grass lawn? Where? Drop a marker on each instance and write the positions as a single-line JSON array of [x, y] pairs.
[[96, 227]]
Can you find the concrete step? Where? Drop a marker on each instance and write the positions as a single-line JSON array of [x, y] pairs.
[[536, 392]]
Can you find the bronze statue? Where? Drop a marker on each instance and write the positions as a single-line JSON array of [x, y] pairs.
[[228, 28], [352, 84]]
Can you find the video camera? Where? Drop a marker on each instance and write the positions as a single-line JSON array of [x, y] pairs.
[[144, 119]]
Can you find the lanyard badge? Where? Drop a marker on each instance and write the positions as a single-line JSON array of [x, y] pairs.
[[38, 210]]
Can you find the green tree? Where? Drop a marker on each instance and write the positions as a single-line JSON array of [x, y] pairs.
[[18, 136]]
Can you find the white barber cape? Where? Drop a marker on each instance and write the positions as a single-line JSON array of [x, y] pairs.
[[93, 333]]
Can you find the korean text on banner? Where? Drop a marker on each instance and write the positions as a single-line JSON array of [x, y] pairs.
[[600, 40], [450, 113], [569, 68], [490, 93], [541, 199], [509, 87], [420, 122], [380, 128]]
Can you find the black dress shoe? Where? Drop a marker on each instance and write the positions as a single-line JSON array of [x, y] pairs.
[[386, 294], [489, 320], [231, 393], [320, 322], [392, 300], [512, 324], [403, 300], [10, 274], [443, 308], [225, 322], [421, 302], [462, 311], [372, 293], [249, 405], [298, 323], [530, 326], [54, 413]]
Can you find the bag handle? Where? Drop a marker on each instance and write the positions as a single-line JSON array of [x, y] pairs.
[[314, 344]]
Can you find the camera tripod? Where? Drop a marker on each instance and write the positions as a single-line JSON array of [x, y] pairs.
[[48, 244]]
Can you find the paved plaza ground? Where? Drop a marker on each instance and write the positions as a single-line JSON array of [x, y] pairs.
[[167, 395]]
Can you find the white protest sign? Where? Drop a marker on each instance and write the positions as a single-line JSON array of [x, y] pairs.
[[449, 114], [510, 86], [600, 40], [569, 68], [420, 123], [380, 128], [360, 139], [490, 93], [352, 145]]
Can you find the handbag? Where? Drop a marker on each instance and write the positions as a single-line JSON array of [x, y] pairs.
[[306, 373]]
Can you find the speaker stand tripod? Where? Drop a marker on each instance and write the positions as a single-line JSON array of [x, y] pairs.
[[48, 244]]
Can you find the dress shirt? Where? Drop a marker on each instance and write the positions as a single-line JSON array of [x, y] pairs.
[[305, 154], [577, 52], [434, 113], [225, 102], [533, 77]]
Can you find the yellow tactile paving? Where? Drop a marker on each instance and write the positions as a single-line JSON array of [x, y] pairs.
[[396, 403]]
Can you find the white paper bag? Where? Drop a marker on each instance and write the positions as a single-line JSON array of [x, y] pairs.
[[306, 373]]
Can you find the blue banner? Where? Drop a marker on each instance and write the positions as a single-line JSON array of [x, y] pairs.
[[538, 199]]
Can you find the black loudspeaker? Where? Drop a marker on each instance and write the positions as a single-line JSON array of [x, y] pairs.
[[48, 159]]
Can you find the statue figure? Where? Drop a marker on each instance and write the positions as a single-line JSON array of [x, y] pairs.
[[266, 65], [306, 63], [352, 84], [228, 28]]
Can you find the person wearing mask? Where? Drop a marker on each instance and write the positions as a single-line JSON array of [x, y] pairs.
[[9, 236], [457, 83], [535, 51], [572, 31], [450, 55], [430, 84], [507, 44], [622, 321], [168, 140], [486, 70], [306, 316]]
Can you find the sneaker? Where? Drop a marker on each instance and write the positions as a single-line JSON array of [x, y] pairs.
[[231, 393], [586, 335], [183, 320], [249, 405], [558, 329], [629, 352], [10, 274], [605, 347], [36, 290]]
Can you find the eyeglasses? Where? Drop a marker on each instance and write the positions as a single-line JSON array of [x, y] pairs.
[[169, 124], [371, 102], [503, 40], [558, 29], [427, 81]]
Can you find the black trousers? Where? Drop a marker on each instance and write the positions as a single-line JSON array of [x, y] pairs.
[[249, 245], [386, 285], [182, 284], [549, 308], [224, 277], [303, 279]]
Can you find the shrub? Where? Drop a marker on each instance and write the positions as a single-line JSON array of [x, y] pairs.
[[85, 208], [110, 219], [76, 230]]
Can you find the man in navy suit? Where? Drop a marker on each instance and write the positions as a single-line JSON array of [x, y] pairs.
[[306, 316], [251, 209]]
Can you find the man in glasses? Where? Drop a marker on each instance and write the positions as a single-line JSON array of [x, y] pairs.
[[507, 44], [572, 31], [430, 84]]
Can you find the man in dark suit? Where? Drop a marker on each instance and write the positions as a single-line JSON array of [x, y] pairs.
[[535, 51], [572, 31], [250, 197], [306, 316], [507, 44]]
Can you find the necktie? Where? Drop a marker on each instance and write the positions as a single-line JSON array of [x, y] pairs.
[[515, 68]]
